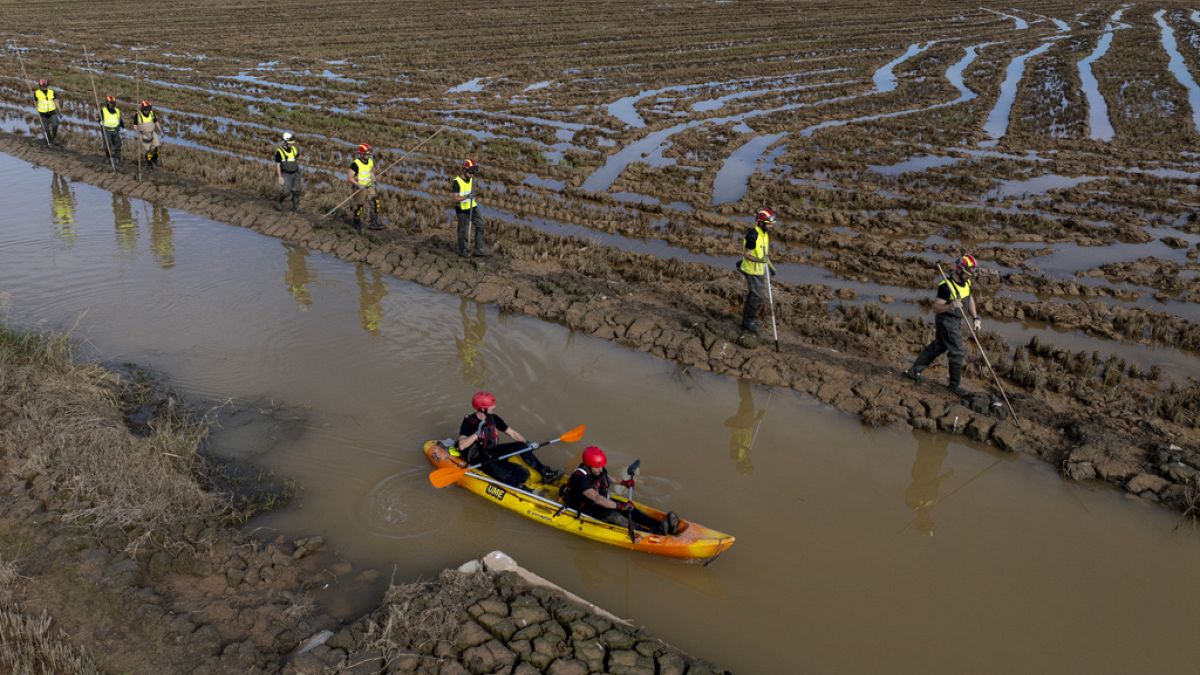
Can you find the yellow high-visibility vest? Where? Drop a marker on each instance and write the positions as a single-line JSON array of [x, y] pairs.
[[45, 100], [464, 189], [366, 171], [957, 291], [760, 252], [146, 118], [112, 120]]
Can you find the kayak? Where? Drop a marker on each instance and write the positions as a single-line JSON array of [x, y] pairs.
[[540, 502]]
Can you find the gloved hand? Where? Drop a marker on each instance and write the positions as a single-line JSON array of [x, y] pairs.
[[956, 304], [977, 324], [535, 445], [479, 431], [628, 482], [624, 506]]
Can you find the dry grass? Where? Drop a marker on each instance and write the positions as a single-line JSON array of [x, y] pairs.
[[68, 432], [30, 645], [418, 615]]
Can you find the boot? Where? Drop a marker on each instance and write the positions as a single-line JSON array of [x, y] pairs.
[[149, 161], [548, 475], [463, 252], [295, 202], [375, 214], [751, 327], [358, 218], [914, 373], [955, 378], [669, 525]]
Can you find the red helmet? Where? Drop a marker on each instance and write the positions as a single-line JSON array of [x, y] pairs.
[[594, 457], [364, 149], [470, 166], [967, 264], [482, 400], [145, 103], [766, 215], [110, 99]]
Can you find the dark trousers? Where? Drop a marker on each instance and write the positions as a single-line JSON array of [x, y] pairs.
[[467, 219], [291, 186], [506, 470], [948, 339], [641, 521], [113, 137], [756, 285], [50, 121]]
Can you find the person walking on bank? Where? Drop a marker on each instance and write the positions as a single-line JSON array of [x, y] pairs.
[[467, 211], [110, 119], [754, 265], [362, 174], [952, 295], [149, 128], [47, 107], [287, 171]]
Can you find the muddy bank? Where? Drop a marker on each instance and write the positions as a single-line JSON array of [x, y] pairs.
[[114, 558], [848, 357]]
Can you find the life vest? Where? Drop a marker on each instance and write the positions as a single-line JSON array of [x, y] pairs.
[[759, 251], [45, 100], [366, 171], [599, 483], [288, 155], [145, 118], [464, 189], [957, 291], [112, 120]]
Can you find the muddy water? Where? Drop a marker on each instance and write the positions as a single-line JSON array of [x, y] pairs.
[[858, 550]]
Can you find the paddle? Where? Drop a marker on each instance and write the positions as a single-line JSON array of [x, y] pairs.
[[450, 474], [632, 473]]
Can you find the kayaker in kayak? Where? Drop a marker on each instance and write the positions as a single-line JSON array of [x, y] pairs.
[[479, 441], [587, 491]]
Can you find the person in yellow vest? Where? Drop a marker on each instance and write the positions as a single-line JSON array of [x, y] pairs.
[[47, 107], [953, 295], [110, 119], [287, 171], [149, 128], [362, 174], [755, 263], [466, 209]]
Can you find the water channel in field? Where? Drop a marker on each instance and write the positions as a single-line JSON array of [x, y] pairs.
[[859, 550]]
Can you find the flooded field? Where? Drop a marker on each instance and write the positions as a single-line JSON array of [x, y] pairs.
[[847, 537]]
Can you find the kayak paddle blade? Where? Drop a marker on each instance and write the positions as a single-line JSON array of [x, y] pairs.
[[447, 475], [573, 435]]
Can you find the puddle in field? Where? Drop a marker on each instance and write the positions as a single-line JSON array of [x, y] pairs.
[[914, 164], [1018, 22], [996, 125], [1099, 126], [1178, 68], [732, 179], [473, 85], [1035, 186]]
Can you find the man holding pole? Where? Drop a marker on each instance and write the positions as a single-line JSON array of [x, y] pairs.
[[47, 107], [953, 304], [149, 128], [110, 119], [467, 211], [754, 265], [362, 174]]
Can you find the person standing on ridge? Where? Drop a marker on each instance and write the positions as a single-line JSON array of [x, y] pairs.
[[362, 174], [47, 107], [110, 119], [149, 128], [952, 295], [754, 265], [466, 209], [287, 171], [479, 441]]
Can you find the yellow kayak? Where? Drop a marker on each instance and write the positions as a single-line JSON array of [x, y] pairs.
[[539, 501]]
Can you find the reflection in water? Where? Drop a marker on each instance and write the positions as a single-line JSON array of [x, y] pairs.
[[62, 207], [741, 428], [474, 369], [123, 222], [370, 312], [922, 492], [161, 240], [296, 277]]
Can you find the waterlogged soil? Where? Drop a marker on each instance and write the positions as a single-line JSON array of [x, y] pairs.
[[1093, 417]]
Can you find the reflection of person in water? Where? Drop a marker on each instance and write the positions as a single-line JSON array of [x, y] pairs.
[[922, 492], [741, 428], [474, 369], [296, 276], [123, 221], [370, 311], [161, 238], [62, 207]]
